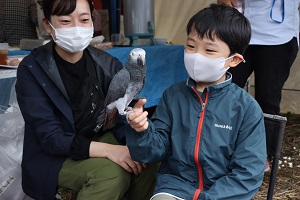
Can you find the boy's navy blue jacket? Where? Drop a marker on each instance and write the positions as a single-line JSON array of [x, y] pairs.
[[49, 123], [211, 145]]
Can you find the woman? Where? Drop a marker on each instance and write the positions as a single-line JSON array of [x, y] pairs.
[[61, 146]]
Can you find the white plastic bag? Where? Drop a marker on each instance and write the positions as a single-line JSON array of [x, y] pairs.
[[11, 150]]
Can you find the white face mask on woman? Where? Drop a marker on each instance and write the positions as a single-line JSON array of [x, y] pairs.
[[204, 69], [73, 39]]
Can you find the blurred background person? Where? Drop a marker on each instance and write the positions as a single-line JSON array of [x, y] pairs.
[[18, 20]]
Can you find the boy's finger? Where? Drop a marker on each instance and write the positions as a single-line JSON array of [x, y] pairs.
[[140, 104], [141, 117]]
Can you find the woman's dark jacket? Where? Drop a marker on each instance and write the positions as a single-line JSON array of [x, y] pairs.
[[49, 123]]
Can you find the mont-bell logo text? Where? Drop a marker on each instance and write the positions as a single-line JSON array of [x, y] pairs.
[[223, 126]]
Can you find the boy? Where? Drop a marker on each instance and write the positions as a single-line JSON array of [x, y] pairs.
[[207, 132]]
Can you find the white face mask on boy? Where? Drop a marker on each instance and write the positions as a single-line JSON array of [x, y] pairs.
[[73, 39], [204, 69]]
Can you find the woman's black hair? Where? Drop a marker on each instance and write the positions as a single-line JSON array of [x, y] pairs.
[[222, 22], [61, 7]]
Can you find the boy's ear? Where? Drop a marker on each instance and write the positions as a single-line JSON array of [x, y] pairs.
[[236, 59]]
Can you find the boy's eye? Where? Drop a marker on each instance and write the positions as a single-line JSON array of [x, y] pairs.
[[190, 46], [64, 21], [210, 50]]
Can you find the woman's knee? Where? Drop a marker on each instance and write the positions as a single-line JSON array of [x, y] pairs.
[[113, 175], [102, 183]]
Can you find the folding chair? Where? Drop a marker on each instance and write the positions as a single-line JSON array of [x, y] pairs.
[[275, 126]]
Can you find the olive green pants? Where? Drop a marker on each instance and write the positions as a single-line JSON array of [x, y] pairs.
[[102, 179]]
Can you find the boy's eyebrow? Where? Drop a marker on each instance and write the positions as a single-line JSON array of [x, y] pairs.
[[211, 43], [190, 39], [205, 42]]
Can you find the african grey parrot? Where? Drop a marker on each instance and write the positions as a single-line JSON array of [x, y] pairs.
[[124, 87]]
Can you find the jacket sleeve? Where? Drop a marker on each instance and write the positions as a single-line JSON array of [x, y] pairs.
[[246, 169], [45, 125], [152, 145]]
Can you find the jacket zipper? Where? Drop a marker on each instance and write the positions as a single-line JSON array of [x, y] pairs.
[[198, 143]]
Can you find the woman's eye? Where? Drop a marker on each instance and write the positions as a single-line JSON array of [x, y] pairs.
[[190, 46], [65, 21], [85, 20]]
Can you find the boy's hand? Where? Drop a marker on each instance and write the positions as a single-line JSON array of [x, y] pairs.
[[231, 3], [138, 118]]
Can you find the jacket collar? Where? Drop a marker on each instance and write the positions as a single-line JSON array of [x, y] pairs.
[[214, 90], [48, 64]]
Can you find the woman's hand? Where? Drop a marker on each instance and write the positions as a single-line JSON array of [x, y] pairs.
[[138, 118], [119, 154]]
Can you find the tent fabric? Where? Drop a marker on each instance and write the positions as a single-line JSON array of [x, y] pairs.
[[171, 17]]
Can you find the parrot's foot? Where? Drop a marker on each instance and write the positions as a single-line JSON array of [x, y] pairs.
[[127, 112]]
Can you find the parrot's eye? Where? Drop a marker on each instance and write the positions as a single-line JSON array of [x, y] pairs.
[[132, 53]]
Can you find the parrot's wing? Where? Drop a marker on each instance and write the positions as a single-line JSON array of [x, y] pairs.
[[116, 90], [117, 87]]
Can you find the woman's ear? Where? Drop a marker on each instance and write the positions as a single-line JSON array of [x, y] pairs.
[[236, 59], [47, 25]]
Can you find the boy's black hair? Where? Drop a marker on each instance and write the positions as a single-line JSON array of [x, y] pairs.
[[225, 23], [61, 7]]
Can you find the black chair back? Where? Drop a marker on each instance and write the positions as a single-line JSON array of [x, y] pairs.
[[275, 127]]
